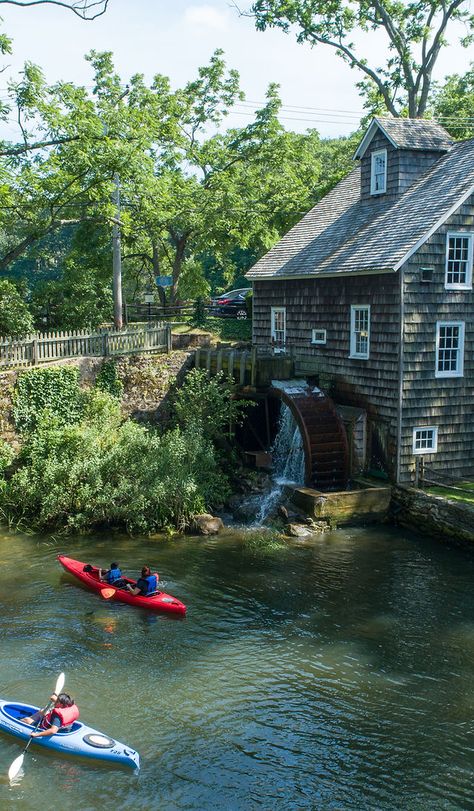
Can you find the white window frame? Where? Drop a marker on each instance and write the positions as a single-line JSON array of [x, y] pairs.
[[467, 285], [280, 342], [373, 175], [459, 371], [357, 334], [318, 336], [427, 429]]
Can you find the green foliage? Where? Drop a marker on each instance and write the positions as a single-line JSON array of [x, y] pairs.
[[263, 541], [6, 455], [415, 32], [107, 380], [15, 317], [199, 313], [453, 105], [99, 472], [55, 391], [230, 329], [207, 404]]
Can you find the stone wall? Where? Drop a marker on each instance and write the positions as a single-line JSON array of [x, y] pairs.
[[448, 521]]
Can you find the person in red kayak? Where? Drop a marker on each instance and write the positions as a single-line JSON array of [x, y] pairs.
[[112, 576], [62, 716], [146, 585]]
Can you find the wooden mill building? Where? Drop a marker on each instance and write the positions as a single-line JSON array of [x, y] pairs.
[[371, 294]]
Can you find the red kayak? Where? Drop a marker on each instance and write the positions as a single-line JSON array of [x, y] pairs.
[[159, 601]]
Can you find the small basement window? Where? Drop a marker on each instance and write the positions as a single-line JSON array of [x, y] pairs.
[[426, 274], [425, 440], [318, 336]]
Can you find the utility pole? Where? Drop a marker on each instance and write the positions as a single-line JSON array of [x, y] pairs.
[[117, 258], [116, 253]]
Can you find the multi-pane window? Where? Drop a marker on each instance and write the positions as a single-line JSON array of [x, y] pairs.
[[449, 348], [360, 330], [278, 326], [425, 440], [459, 261], [378, 176]]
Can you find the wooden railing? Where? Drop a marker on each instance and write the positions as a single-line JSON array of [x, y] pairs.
[[239, 365], [42, 347]]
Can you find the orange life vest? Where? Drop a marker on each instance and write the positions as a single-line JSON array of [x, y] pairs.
[[67, 715]]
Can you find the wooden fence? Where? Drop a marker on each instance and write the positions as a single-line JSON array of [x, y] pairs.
[[50, 346]]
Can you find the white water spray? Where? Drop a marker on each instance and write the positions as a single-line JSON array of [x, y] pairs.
[[288, 461]]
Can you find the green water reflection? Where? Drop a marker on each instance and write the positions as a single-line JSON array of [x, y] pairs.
[[331, 675]]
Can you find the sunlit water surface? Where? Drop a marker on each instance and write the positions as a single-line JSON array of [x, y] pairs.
[[332, 675]]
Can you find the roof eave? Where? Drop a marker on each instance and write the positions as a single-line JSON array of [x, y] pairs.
[[324, 274], [361, 149], [435, 227]]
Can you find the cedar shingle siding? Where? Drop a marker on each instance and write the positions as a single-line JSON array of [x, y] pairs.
[[354, 248]]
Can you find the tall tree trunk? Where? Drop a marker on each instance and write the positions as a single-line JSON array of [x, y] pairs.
[[180, 250]]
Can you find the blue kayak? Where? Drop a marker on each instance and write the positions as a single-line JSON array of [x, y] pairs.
[[82, 741]]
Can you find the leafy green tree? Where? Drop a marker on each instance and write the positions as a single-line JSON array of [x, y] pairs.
[[213, 200], [15, 317], [415, 31], [453, 105]]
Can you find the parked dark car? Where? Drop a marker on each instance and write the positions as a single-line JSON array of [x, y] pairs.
[[234, 304]]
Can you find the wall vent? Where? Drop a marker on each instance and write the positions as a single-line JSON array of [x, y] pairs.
[[426, 274]]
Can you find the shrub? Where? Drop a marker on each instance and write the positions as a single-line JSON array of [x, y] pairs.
[[99, 472], [56, 390], [208, 403], [107, 380]]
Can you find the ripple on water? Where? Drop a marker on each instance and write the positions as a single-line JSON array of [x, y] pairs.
[[332, 676]]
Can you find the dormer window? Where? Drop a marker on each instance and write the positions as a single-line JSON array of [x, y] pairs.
[[378, 175]]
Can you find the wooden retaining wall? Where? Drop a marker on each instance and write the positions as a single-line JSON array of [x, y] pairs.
[[240, 365]]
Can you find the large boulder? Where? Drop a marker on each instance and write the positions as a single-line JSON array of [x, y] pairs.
[[206, 524]]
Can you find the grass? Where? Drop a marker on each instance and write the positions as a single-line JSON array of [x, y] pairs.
[[222, 329], [459, 491], [262, 540]]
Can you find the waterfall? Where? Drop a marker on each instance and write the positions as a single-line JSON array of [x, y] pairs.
[[288, 461]]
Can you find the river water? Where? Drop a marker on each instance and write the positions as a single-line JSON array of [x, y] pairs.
[[336, 674]]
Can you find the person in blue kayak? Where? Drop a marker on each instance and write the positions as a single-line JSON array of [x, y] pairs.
[[146, 585], [60, 717], [112, 576]]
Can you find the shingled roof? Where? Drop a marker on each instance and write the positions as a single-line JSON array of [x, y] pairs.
[[408, 133], [343, 234]]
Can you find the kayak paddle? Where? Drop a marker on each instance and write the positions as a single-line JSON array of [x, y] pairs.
[[15, 768], [107, 593]]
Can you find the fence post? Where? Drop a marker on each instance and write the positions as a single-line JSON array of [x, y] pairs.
[[105, 344], [197, 358], [34, 352], [168, 338], [253, 366], [243, 363]]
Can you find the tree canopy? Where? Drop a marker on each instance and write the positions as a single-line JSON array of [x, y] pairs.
[[198, 203], [415, 32]]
